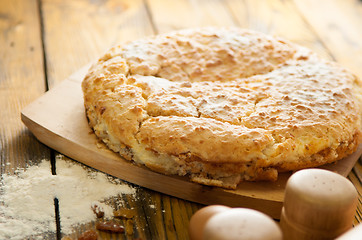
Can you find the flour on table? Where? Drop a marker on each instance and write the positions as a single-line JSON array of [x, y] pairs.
[[27, 198]]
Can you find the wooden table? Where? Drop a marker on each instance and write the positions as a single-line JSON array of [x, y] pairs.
[[44, 41]]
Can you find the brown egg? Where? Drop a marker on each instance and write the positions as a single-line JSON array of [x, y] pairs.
[[199, 219], [241, 223]]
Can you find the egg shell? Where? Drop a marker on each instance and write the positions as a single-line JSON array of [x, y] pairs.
[[199, 219], [353, 234], [241, 223]]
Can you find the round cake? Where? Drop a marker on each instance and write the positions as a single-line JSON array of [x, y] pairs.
[[222, 105]]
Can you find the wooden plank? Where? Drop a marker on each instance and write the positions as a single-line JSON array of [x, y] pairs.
[[173, 15], [79, 32], [356, 179], [338, 24], [277, 17], [21, 81], [353, 178]]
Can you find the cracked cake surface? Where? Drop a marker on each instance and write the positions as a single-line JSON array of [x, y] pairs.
[[222, 105]]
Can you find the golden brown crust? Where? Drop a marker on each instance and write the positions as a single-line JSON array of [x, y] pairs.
[[223, 105]]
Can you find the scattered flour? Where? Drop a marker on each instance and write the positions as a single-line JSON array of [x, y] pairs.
[[152, 206], [27, 198]]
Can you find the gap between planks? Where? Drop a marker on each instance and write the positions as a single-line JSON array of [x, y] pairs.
[[52, 152]]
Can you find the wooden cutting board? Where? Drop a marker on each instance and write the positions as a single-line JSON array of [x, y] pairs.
[[58, 120]]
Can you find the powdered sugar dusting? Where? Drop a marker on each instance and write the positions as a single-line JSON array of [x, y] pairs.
[[27, 198]]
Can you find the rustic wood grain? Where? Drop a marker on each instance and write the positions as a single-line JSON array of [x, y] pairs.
[[277, 17], [21, 81], [79, 32], [338, 24], [356, 178], [352, 177], [172, 15]]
